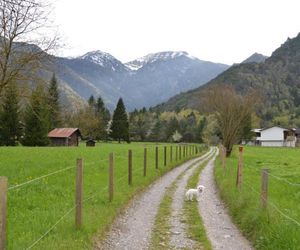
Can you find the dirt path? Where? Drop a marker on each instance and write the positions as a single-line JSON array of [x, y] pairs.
[[179, 239], [222, 233], [133, 229]]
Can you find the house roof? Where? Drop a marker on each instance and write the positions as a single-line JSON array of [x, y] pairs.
[[285, 129], [256, 130], [63, 132]]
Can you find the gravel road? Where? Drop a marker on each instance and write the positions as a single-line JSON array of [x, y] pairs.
[[179, 239], [222, 233], [132, 230]]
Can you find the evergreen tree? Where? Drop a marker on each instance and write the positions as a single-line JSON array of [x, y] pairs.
[[120, 125], [36, 119], [91, 101], [102, 110], [9, 117], [53, 104]]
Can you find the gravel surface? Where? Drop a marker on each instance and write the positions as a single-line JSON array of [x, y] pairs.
[[132, 230], [179, 239], [222, 233]]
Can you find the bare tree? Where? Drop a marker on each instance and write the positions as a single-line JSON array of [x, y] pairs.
[[23, 40], [232, 112]]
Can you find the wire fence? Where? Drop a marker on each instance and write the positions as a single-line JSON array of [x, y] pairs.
[[273, 205], [91, 195], [263, 194]]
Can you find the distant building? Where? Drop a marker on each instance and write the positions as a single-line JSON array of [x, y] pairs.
[[275, 137], [90, 143], [64, 136]]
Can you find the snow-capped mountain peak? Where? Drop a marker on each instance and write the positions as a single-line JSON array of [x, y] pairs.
[[155, 57], [102, 59]]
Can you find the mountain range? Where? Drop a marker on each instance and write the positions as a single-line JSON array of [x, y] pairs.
[[277, 78], [143, 82]]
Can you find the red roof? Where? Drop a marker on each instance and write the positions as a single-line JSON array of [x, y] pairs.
[[63, 132]]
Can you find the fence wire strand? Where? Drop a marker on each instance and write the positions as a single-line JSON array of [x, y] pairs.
[[50, 229], [284, 180], [50, 174], [39, 178]]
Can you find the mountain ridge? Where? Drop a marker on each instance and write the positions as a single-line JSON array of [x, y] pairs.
[[277, 78], [143, 82]]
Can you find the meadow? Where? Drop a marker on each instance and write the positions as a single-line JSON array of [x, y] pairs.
[[36, 207], [277, 226]]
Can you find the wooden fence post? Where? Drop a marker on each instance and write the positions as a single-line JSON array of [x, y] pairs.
[[3, 211], [165, 156], [129, 167], [180, 152], [111, 177], [145, 161], [264, 187], [156, 157], [240, 168], [79, 189], [171, 154]]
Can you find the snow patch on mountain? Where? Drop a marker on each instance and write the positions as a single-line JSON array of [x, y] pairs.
[[155, 57]]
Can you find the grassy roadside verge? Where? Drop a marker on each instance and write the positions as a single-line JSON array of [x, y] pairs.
[[265, 228], [161, 233]]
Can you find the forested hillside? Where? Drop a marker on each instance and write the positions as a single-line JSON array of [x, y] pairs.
[[277, 79]]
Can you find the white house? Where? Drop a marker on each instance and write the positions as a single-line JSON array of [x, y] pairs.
[[275, 137]]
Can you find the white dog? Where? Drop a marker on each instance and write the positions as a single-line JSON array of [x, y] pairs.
[[189, 195]]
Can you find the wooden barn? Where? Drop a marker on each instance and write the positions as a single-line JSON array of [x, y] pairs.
[[64, 136]]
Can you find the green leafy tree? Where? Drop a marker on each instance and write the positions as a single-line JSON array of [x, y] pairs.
[[120, 124], [172, 126], [53, 104], [37, 119], [10, 128]]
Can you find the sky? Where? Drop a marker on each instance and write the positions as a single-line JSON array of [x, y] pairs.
[[224, 31]]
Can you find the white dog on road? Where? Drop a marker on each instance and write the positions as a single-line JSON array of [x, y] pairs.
[[189, 195]]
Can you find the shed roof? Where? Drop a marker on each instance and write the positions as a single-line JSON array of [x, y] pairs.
[[63, 132]]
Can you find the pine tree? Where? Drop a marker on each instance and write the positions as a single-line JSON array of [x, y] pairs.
[[120, 125], [91, 101], [53, 104], [9, 117], [102, 110], [102, 114], [37, 119]]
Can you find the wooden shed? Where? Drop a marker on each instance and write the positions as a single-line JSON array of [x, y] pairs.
[[64, 136], [90, 143]]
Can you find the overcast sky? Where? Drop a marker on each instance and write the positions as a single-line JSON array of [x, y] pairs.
[[225, 31]]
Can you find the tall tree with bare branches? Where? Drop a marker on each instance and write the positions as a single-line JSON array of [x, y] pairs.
[[23, 39], [232, 112]]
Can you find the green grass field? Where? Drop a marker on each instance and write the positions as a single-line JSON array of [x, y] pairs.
[[277, 227], [36, 207]]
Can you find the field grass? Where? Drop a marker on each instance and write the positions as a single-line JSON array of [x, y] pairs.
[[34, 208], [276, 227]]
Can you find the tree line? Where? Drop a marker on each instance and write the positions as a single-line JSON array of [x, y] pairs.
[[28, 121]]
